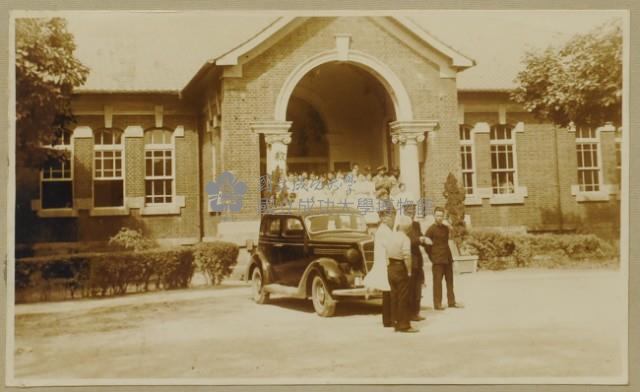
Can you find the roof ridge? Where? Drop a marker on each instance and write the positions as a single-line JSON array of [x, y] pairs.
[[214, 59], [436, 37]]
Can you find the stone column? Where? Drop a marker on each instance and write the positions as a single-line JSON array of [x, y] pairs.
[[276, 137], [409, 134]]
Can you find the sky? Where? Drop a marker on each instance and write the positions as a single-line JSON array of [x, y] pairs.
[[163, 50]]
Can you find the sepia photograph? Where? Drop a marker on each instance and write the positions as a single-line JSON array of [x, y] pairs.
[[337, 197]]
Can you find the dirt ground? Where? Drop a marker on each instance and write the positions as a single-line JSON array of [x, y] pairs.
[[518, 323]]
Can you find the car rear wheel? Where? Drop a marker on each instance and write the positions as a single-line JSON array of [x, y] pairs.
[[259, 295], [323, 303]]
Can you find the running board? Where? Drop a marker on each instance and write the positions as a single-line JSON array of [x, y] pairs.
[[275, 288], [357, 292]]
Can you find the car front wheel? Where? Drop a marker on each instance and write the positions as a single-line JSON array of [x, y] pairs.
[[323, 303], [259, 295]]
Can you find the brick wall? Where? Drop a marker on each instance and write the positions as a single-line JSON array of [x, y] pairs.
[[210, 145], [547, 166], [546, 156], [252, 97], [184, 226]]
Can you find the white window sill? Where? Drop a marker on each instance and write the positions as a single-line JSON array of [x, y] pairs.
[[496, 199], [169, 209], [164, 209], [472, 200], [108, 211], [36, 205], [57, 213], [601, 195], [509, 198]]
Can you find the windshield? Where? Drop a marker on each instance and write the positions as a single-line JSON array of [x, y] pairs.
[[335, 222]]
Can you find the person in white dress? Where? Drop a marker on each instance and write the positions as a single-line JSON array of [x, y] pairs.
[[377, 278]]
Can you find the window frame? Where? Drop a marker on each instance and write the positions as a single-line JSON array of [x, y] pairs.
[[507, 142], [468, 143], [153, 147], [592, 140], [108, 148], [267, 225], [283, 228], [69, 149]]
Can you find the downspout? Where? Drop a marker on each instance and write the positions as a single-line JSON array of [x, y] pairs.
[[200, 180], [558, 186]]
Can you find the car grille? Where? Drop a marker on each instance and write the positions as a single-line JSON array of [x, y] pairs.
[[367, 251]]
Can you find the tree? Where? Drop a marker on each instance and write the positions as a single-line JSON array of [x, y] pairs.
[[46, 74], [455, 195], [580, 81]]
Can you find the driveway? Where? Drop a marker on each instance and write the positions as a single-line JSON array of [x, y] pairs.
[[518, 323]]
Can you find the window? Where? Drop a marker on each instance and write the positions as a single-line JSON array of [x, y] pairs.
[[503, 172], [56, 176], [335, 222], [588, 162], [272, 227], [108, 179], [466, 155], [293, 228], [158, 157]]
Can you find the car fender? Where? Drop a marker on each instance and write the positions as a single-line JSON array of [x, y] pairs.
[[258, 259], [329, 269]]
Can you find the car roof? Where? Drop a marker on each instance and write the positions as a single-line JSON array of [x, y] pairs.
[[311, 211]]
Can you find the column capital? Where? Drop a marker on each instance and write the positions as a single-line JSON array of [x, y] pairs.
[[275, 138], [273, 131], [411, 132], [271, 127]]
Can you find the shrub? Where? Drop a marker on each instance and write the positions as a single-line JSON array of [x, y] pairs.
[[455, 194], [130, 239], [102, 274], [497, 250], [173, 268], [45, 274], [216, 259]]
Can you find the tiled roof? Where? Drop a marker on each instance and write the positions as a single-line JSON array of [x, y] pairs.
[[164, 56]]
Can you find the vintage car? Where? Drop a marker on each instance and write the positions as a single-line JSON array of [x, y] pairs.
[[317, 253]]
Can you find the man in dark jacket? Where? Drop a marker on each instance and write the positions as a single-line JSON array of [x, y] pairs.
[[437, 246]]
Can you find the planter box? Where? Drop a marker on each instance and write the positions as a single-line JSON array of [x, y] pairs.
[[465, 264], [462, 263]]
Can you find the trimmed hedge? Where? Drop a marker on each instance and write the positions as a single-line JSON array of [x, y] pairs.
[[117, 273], [216, 259], [498, 250]]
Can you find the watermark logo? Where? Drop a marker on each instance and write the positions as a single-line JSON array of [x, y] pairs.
[[226, 193]]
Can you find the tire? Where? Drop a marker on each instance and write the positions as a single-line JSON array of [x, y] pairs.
[[257, 291], [323, 303]]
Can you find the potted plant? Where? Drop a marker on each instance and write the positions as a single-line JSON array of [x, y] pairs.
[[455, 195]]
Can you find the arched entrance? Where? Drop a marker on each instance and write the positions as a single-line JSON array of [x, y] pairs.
[[340, 115], [366, 111]]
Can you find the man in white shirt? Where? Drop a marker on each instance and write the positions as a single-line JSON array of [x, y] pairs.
[[398, 249]]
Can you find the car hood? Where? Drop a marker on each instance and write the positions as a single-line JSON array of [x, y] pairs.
[[341, 236]]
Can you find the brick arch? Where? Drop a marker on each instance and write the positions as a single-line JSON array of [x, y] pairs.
[[391, 82]]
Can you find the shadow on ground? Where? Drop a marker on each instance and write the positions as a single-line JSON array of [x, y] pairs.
[[343, 308]]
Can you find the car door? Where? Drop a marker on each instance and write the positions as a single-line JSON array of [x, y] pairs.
[[270, 245], [294, 260]]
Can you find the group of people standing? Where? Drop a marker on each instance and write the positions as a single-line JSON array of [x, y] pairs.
[[398, 267], [352, 186]]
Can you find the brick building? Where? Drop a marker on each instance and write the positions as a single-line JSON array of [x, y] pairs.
[[382, 90]]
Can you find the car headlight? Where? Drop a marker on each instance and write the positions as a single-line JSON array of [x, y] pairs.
[[352, 255]]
